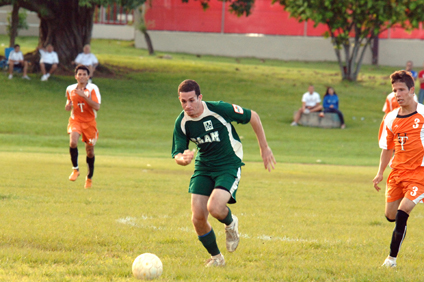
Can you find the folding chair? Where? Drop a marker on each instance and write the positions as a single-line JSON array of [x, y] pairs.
[[4, 64]]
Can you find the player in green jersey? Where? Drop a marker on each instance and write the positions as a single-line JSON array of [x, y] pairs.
[[217, 164]]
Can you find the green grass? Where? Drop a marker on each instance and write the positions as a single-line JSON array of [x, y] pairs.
[[315, 218]]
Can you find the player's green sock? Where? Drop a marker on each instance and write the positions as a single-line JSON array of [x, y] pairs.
[[228, 219], [209, 242]]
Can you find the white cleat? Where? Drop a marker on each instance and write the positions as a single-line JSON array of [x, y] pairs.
[[232, 235], [214, 261], [389, 263], [293, 123], [44, 78]]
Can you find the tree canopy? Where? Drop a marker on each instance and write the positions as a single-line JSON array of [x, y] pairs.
[[352, 24], [66, 24]]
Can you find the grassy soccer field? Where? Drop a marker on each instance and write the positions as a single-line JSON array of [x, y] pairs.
[[315, 218]]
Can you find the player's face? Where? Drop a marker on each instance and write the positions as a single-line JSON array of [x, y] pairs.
[[311, 89], [191, 104], [404, 96], [82, 76]]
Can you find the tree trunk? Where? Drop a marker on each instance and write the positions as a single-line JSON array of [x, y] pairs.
[[142, 26], [14, 22], [68, 30], [374, 50], [148, 43]]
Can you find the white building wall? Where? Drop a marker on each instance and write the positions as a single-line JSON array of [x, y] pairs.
[[392, 52]]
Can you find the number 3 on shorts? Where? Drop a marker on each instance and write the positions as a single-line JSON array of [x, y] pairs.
[[414, 191]]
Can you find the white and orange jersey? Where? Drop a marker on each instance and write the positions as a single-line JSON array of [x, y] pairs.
[[404, 134], [391, 102], [81, 111]]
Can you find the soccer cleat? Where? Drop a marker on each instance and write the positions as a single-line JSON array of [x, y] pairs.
[[88, 183], [389, 263], [10, 76], [44, 78], [26, 77], [293, 123], [74, 175], [232, 235], [217, 260]]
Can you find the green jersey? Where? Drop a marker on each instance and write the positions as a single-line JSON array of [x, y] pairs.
[[219, 146]]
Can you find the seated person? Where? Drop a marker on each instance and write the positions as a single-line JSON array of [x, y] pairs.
[[331, 105], [391, 103], [310, 103], [16, 61], [48, 62], [87, 59]]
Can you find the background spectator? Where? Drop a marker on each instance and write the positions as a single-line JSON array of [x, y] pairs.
[[408, 67], [310, 103], [331, 105], [16, 61], [421, 79], [48, 62], [87, 59]]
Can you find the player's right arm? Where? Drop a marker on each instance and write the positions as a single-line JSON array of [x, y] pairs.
[[386, 143], [184, 158], [180, 152], [385, 158], [69, 104]]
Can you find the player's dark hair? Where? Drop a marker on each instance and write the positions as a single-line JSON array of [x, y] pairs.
[[82, 67], [403, 76], [189, 85], [16, 45]]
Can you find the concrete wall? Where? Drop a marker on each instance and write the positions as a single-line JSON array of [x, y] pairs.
[[32, 20], [393, 52], [107, 31]]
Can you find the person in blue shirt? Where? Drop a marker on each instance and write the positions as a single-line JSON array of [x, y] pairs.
[[331, 105], [408, 67]]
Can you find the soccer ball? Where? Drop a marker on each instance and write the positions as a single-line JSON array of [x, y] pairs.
[[147, 267]]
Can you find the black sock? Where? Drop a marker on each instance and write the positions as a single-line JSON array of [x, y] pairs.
[[90, 162], [399, 232], [209, 242], [228, 219], [74, 156]]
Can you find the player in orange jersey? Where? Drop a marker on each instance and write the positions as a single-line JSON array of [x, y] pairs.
[[391, 103], [83, 100], [402, 132]]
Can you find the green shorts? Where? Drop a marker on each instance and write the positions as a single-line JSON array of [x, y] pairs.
[[203, 182]]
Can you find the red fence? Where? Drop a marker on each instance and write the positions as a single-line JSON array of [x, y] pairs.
[[266, 18]]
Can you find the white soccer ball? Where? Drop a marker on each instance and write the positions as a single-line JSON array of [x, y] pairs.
[[147, 267]]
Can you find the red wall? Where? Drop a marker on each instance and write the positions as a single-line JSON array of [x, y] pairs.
[[266, 18]]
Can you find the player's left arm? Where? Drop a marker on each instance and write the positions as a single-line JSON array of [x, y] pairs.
[[266, 153]]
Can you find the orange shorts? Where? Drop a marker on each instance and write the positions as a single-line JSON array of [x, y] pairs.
[[405, 184], [88, 130]]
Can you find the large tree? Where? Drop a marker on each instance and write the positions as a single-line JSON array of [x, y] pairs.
[[353, 24], [66, 24]]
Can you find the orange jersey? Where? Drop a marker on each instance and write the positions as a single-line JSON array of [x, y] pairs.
[[404, 134], [81, 111], [391, 103]]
